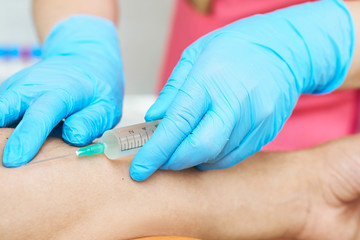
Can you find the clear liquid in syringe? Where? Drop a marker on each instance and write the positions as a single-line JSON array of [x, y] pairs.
[[121, 142]]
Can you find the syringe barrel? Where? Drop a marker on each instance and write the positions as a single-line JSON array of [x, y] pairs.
[[127, 141]]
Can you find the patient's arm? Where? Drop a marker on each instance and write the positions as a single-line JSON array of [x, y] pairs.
[[94, 198], [49, 12], [266, 196]]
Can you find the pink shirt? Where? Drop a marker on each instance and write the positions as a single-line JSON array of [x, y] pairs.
[[316, 118]]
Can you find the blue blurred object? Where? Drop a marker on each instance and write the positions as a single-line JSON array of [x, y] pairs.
[[80, 78], [234, 88], [36, 51], [10, 51], [19, 52]]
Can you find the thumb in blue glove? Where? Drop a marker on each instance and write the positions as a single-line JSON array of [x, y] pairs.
[[80, 79], [234, 88]]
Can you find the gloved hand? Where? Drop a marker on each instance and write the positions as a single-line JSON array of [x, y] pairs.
[[80, 79], [233, 89]]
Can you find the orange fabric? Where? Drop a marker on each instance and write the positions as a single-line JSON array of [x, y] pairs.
[[316, 118]]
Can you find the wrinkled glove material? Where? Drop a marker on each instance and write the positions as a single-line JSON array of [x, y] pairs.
[[79, 79]]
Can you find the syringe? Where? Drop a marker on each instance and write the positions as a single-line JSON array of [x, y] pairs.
[[121, 142]]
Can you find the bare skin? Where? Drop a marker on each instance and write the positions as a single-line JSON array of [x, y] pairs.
[[93, 198], [335, 196], [301, 195], [202, 6], [48, 13], [352, 80]]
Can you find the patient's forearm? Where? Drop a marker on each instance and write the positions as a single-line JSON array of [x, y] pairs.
[[48, 12], [94, 198]]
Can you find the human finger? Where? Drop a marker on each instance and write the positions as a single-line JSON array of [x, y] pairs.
[[12, 107], [168, 93], [243, 151], [204, 143], [38, 121], [83, 127], [183, 115]]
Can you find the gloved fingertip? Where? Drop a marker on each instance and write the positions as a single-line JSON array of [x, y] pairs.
[[154, 113], [78, 136], [137, 175], [12, 156], [148, 118], [159, 108], [139, 172]]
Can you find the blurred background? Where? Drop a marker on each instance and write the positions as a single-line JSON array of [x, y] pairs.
[[143, 30], [144, 25]]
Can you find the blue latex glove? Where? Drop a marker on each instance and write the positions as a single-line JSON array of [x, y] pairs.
[[233, 89], [80, 79]]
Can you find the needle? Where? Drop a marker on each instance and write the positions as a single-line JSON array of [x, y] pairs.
[[50, 159]]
